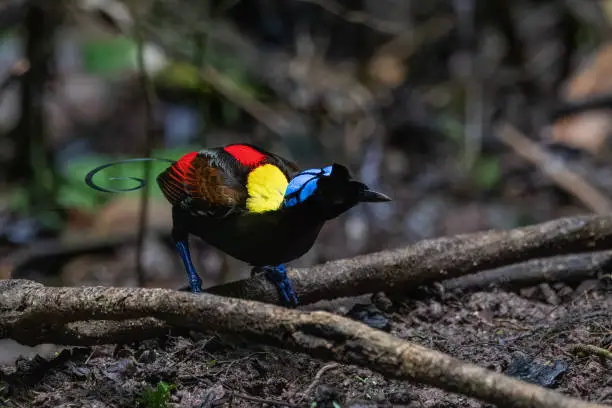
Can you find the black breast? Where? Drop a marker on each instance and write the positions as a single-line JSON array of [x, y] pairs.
[[259, 239]]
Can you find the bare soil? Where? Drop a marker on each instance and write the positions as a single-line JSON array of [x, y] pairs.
[[492, 329]]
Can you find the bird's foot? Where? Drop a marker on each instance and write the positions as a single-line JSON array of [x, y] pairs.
[[277, 275], [195, 285]]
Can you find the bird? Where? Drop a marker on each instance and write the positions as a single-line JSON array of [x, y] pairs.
[[253, 205]]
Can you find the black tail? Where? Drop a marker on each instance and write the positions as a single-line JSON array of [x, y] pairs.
[[141, 182]]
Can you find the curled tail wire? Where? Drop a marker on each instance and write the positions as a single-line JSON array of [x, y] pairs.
[[141, 182]]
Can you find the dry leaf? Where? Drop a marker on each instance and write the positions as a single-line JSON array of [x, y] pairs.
[[589, 130]]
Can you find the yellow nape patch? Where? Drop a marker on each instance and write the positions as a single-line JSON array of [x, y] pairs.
[[266, 186]]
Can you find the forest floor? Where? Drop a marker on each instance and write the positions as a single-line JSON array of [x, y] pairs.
[[532, 332]]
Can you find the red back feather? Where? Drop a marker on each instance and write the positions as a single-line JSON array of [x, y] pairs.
[[176, 179], [246, 155], [180, 170]]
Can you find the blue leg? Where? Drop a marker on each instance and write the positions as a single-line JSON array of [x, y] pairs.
[[277, 275], [182, 246]]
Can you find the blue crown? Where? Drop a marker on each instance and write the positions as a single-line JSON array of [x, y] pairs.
[[303, 185]]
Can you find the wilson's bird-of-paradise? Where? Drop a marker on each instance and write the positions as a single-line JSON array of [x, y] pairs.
[[253, 205]]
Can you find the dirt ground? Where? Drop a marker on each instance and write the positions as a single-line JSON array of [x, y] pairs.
[[494, 329]]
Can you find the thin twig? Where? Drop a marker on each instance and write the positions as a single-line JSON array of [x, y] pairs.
[[149, 135], [409, 41], [316, 380], [472, 80], [266, 115], [555, 169], [359, 17]]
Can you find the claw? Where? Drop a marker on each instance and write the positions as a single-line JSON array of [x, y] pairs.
[[277, 275], [287, 293], [195, 286]]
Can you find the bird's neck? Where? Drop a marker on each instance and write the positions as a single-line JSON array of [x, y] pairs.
[[304, 213], [309, 212]]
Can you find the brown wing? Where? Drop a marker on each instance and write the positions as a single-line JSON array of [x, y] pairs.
[[203, 184]]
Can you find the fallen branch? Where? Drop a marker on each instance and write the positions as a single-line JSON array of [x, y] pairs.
[[567, 268], [32, 313], [432, 261], [565, 178]]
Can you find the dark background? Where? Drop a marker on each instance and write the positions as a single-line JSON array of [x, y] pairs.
[[412, 96]]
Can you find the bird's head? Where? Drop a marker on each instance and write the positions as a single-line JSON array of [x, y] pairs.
[[329, 190]]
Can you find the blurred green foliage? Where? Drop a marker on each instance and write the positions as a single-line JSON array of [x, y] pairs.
[[182, 75], [107, 56], [486, 172]]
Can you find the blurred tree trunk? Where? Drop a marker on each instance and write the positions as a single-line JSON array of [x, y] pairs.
[[33, 162]]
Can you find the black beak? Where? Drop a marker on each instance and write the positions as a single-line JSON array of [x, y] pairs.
[[368, 196]]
